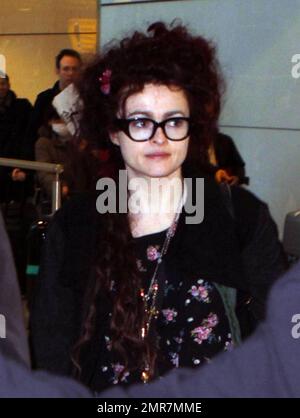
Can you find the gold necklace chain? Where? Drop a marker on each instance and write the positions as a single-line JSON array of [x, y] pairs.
[[152, 311]]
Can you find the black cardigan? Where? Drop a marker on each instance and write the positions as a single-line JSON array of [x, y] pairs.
[[211, 248]]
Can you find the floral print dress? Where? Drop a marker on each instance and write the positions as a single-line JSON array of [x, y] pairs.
[[192, 325]]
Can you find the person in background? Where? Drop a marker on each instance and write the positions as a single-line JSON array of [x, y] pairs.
[[16, 186], [15, 114], [68, 63], [227, 163], [55, 146]]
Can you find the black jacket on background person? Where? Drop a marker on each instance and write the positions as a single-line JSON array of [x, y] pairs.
[[211, 249], [228, 156], [42, 103], [224, 155], [14, 119]]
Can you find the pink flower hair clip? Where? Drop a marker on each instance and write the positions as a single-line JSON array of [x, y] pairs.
[[105, 82]]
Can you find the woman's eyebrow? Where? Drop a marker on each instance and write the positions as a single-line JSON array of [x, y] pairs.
[[140, 112], [150, 114], [173, 113]]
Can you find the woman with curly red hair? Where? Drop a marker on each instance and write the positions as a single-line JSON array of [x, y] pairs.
[[124, 297]]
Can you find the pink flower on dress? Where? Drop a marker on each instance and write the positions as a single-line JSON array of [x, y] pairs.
[[119, 375], [212, 320], [169, 314], [118, 368], [201, 334], [153, 253], [200, 293], [204, 332]]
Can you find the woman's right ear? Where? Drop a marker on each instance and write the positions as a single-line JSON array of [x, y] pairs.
[[114, 137]]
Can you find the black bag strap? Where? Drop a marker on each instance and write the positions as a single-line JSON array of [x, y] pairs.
[[227, 198], [244, 300]]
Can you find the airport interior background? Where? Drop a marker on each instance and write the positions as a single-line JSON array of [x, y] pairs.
[[257, 42]]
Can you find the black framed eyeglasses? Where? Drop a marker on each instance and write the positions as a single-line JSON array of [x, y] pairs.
[[143, 129]]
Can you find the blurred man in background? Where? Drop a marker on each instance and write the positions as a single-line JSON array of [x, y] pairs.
[[68, 63]]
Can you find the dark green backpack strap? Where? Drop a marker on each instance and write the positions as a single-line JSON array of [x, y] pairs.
[[228, 295]]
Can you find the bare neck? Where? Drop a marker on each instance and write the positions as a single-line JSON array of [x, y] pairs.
[[154, 203]]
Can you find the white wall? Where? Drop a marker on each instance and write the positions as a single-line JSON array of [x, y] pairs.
[[256, 40]]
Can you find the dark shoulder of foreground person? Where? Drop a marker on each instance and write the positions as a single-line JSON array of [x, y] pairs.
[[19, 382]]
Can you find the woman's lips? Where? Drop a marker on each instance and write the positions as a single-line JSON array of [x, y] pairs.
[[158, 155]]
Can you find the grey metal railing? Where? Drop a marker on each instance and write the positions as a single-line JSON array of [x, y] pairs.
[[56, 169]]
